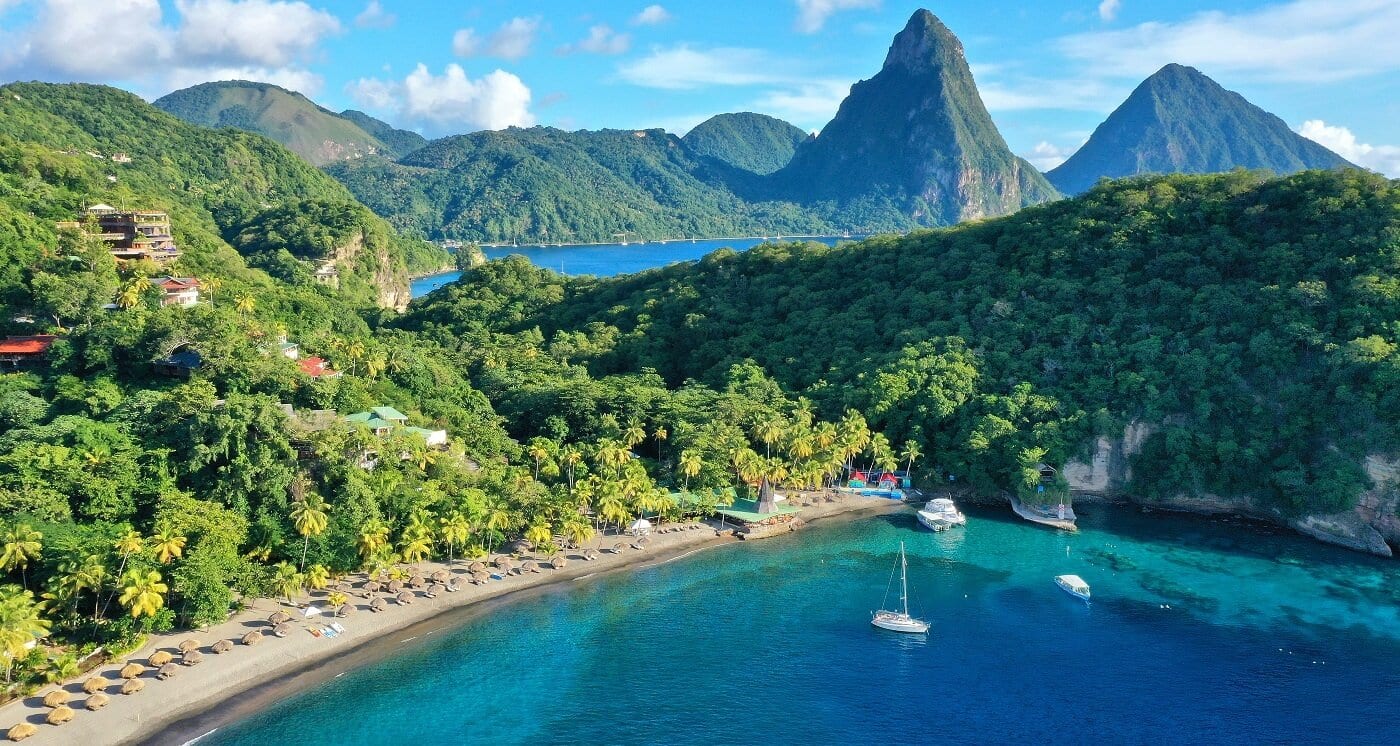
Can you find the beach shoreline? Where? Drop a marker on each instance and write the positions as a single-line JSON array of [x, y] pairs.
[[229, 687]]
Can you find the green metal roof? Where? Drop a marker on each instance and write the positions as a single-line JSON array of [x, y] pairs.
[[747, 511], [388, 413]]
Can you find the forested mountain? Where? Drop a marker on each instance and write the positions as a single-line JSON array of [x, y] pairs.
[[915, 141], [1248, 323], [1180, 121], [318, 135], [116, 149], [753, 142], [546, 185]]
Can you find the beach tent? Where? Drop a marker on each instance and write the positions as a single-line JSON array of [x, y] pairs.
[[311, 611], [858, 479], [888, 481], [640, 527]]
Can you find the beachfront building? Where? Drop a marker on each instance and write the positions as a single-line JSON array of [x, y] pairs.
[[177, 291], [20, 351], [132, 235]]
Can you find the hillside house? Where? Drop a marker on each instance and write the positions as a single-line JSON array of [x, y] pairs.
[[181, 364], [18, 351], [383, 420], [289, 350], [177, 291], [327, 274], [317, 367], [132, 235]]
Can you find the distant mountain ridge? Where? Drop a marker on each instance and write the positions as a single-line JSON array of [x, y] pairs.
[[315, 133], [1180, 121], [916, 139], [753, 142]]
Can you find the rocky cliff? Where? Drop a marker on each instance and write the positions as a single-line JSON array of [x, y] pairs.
[[1372, 525]]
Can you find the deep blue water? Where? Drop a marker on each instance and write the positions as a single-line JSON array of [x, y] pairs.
[[1269, 638], [603, 260]]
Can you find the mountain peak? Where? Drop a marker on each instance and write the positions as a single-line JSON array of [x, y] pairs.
[[925, 42]]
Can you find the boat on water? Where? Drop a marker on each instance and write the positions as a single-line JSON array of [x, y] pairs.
[[940, 513], [900, 621], [1073, 585]]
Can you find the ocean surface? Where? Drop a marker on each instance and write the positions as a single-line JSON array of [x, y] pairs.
[[605, 260], [1201, 631]]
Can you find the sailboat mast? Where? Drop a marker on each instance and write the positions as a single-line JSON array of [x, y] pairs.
[[903, 579]]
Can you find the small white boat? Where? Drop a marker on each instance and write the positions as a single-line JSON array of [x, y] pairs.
[[900, 621], [940, 513], [1073, 585]]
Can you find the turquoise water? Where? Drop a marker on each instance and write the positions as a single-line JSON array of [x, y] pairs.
[[1269, 638], [604, 260]]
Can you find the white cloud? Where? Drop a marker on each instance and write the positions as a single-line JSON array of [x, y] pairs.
[[651, 16], [305, 82], [1070, 94], [1301, 40], [1108, 10], [374, 16], [68, 40], [812, 14], [807, 105], [449, 103], [1045, 155], [1340, 140], [601, 39], [511, 41], [263, 32], [684, 68]]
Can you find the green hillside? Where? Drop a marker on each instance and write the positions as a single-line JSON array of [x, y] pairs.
[[1180, 121], [1251, 322], [400, 142], [318, 135], [546, 185], [753, 142]]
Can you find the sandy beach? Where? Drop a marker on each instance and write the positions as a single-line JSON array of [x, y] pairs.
[[225, 687]]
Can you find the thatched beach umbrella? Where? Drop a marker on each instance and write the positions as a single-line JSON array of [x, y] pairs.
[[222, 646], [504, 564], [252, 638], [441, 576], [56, 697], [159, 658], [559, 563], [453, 586], [188, 645], [377, 605], [95, 684], [590, 554], [373, 586], [97, 701], [417, 583], [279, 617], [394, 586], [476, 566], [167, 671], [344, 610], [282, 630], [21, 731], [404, 599], [132, 670], [480, 577], [618, 548], [60, 715], [434, 590], [133, 686], [529, 566], [192, 658]]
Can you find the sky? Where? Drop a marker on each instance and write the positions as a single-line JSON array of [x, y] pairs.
[[1049, 72]]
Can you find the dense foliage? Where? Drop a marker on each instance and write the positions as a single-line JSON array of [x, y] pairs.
[[1250, 322], [1180, 121], [400, 142], [753, 142], [318, 135]]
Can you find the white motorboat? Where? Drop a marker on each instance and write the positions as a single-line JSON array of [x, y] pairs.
[[900, 621], [1073, 585], [940, 513]]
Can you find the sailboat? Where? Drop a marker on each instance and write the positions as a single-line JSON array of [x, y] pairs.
[[900, 621]]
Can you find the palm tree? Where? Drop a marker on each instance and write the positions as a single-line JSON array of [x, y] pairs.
[[336, 599], [910, 454], [167, 544], [130, 296], [309, 519], [21, 624], [571, 457], [286, 581], [143, 593], [614, 454], [130, 543], [22, 545], [540, 535], [538, 450], [768, 432], [415, 547], [454, 529], [634, 433], [577, 529], [801, 447], [212, 285], [660, 434], [372, 539], [498, 519], [76, 577], [318, 576], [244, 304], [690, 464]]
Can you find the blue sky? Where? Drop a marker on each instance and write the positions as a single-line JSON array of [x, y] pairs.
[[1049, 71]]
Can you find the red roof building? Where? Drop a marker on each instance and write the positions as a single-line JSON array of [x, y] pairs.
[[16, 351], [317, 367]]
